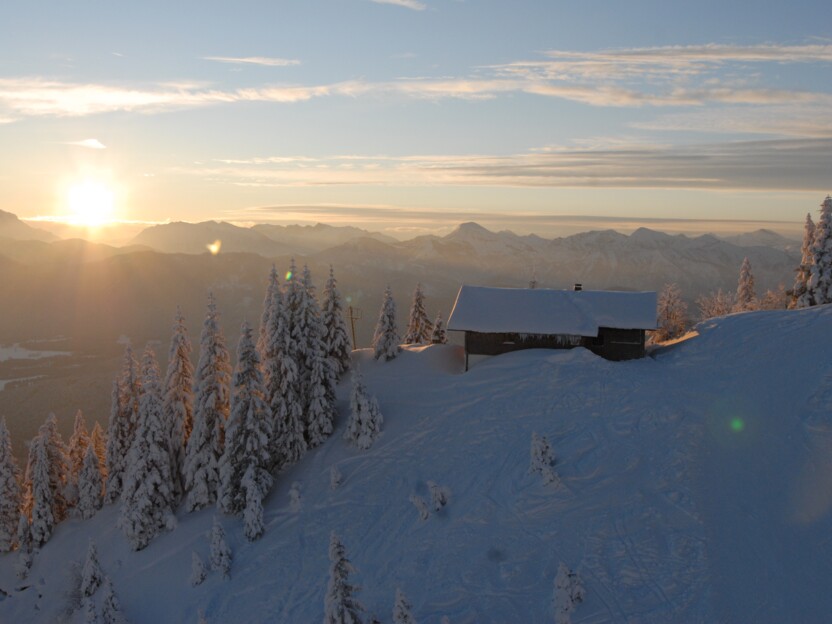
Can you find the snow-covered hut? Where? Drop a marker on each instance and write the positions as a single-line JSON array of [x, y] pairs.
[[611, 324]]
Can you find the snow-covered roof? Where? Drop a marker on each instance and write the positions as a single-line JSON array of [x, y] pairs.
[[544, 311]]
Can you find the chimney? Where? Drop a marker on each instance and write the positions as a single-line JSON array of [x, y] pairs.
[[578, 287]]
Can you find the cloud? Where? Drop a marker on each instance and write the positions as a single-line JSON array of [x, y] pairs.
[[414, 5], [783, 165], [88, 143], [253, 60]]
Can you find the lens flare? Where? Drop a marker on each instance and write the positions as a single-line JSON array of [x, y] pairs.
[[214, 247], [737, 425], [288, 275]]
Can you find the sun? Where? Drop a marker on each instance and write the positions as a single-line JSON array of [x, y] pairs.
[[90, 203]]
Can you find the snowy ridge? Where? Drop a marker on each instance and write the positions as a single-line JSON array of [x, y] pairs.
[[693, 488]]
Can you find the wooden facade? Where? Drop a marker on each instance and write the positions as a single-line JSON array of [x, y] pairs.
[[610, 343]]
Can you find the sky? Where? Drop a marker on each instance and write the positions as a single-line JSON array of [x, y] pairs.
[[409, 116]]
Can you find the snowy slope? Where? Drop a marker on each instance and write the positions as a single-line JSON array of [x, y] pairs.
[[696, 487]]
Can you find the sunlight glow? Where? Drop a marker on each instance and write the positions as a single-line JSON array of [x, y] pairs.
[[214, 247], [90, 203]]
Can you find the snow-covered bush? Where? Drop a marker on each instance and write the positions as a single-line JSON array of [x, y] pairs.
[[439, 335], [335, 478], [542, 459], [672, 315], [294, 497], [402, 609], [198, 572], [421, 506], [568, 594], [439, 495]]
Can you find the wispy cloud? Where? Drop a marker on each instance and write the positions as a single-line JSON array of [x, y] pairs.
[[642, 77], [88, 143], [414, 5], [253, 60], [785, 165]]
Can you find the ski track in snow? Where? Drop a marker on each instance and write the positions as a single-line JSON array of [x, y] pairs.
[[667, 513]]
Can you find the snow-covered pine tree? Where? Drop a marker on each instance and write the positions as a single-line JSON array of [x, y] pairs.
[[421, 506], [542, 459], [819, 286], [337, 341], [318, 382], [118, 443], [91, 575], [282, 385], [77, 448], [220, 552], [672, 315], [800, 296], [256, 482], [43, 496], [178, 401], [340, 604], [57, 466], [98, 440], [211, 407], [110, 607], [365, 421], [402, 609], [262, 336], [746, 296], [248, 431], [147, 500], [419, 327], [198, 571], [90, 486], [568, 594], [10, 494], [24, 547], [386, 337], [124, 414], [439, 495], [439, 335]]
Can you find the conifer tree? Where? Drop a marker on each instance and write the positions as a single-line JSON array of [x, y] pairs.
[[249, 429], [282, 385], [746, 296], [800, 294], [542, 459], [386, 337], [318, 380], [256, 483], [124, 414], [220, 552], [57, 467], [262, 337], [78, 443], [98, 440], [402, 609], [110, 607], [439, 335], [419, 328], [24, 547], [337, 342], [10, 494], [43, 497], [178, 400], [90, 486], [198, 571], [211, 407], [118, 444], [91, 575], [147, 500], [819, 286], [365, 422], [340, 604]]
